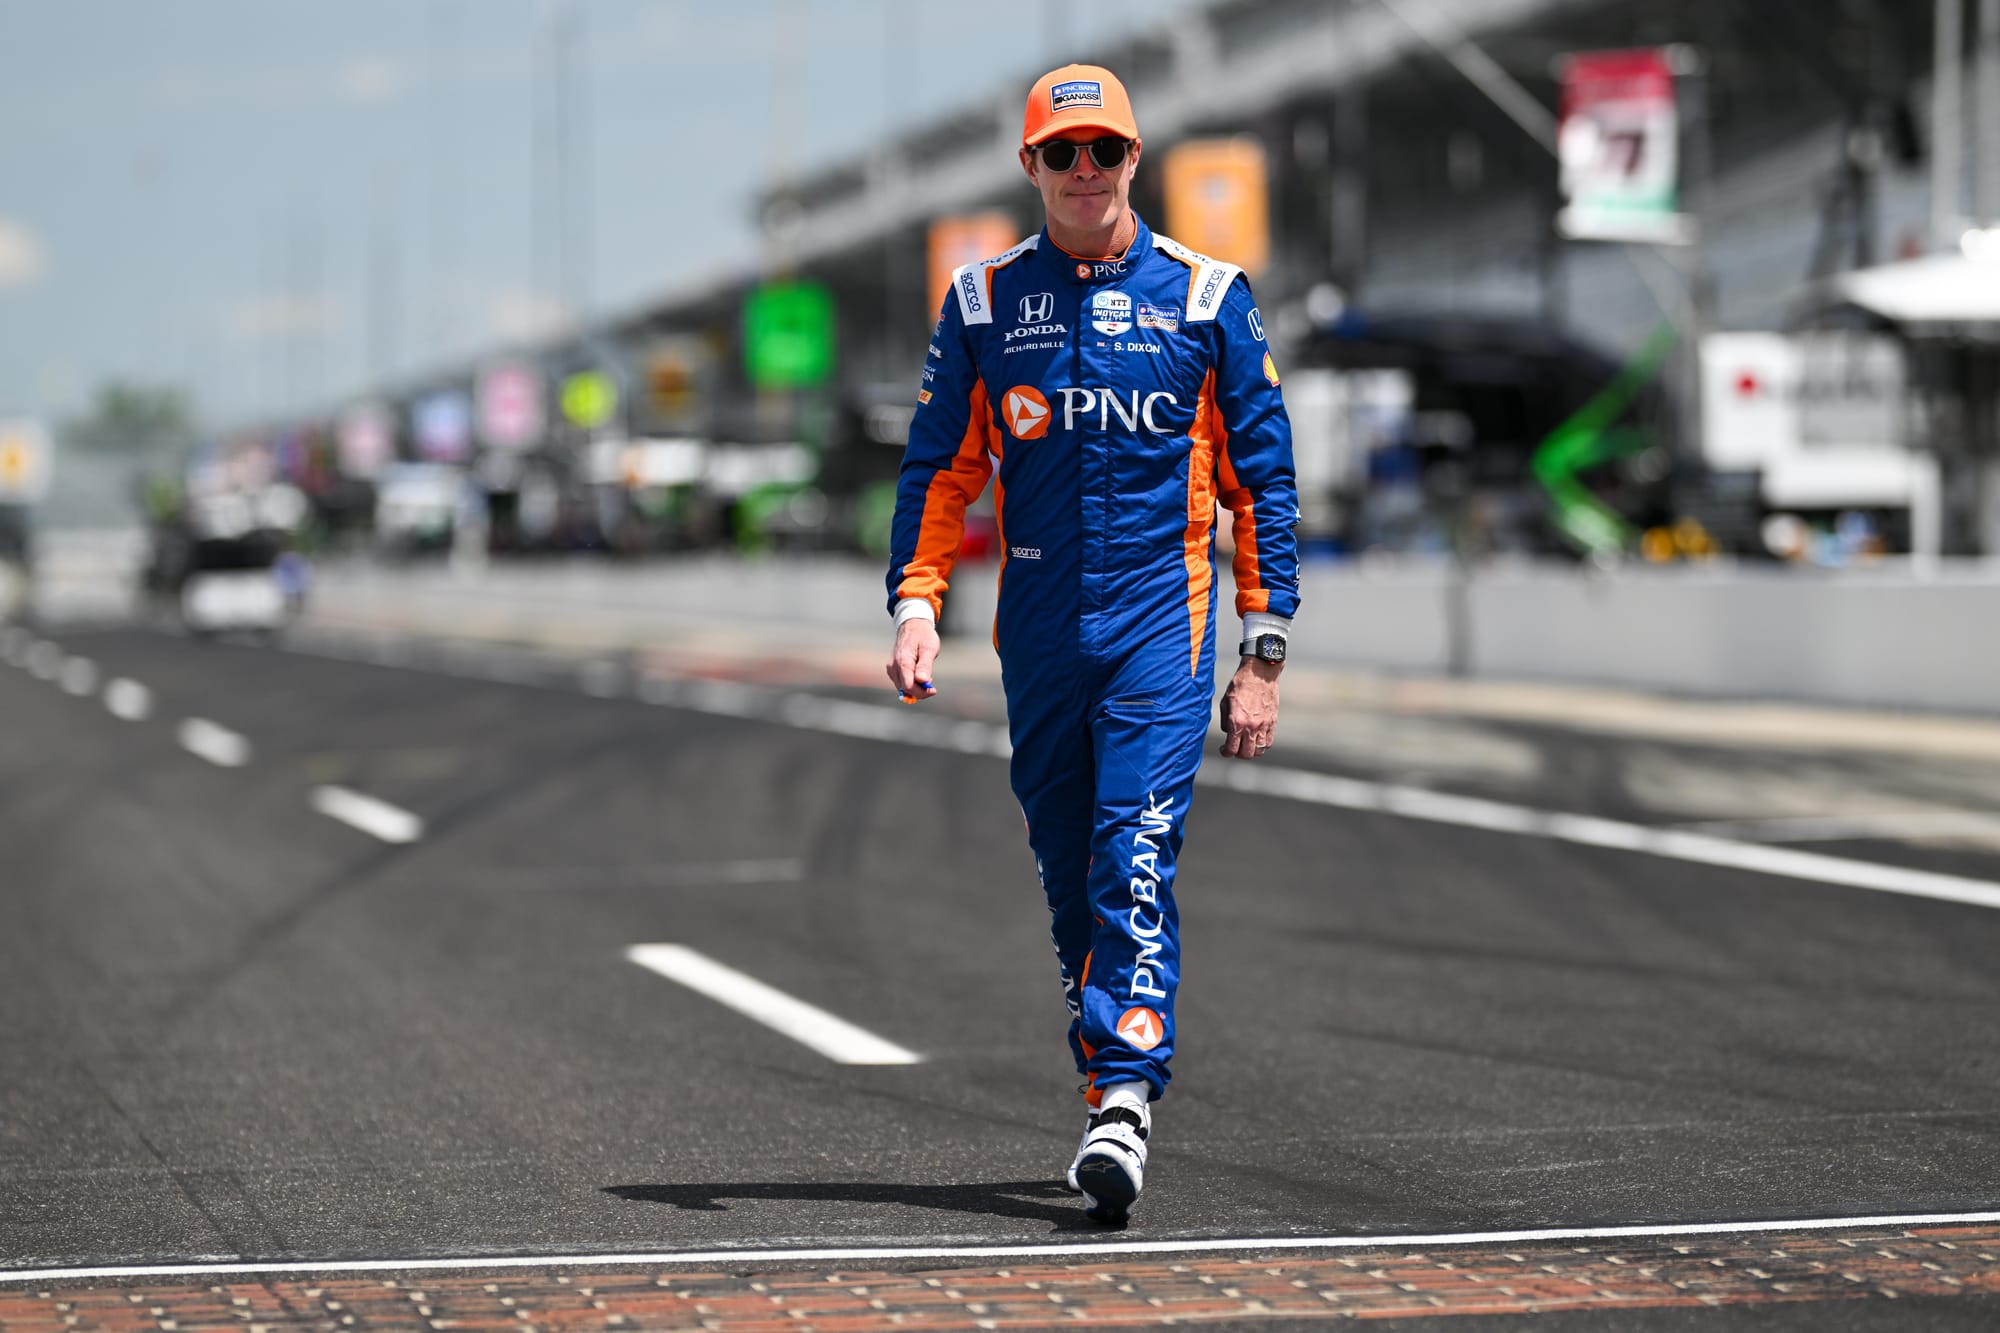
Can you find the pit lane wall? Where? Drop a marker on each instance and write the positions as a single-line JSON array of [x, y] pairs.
[[1878, 637]]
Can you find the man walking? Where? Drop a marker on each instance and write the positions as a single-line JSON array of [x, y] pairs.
[[1121, 385]]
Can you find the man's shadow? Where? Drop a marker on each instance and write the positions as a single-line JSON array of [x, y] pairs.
[[1017, 1199]]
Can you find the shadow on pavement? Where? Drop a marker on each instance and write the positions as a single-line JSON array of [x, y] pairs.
[[993, 1199]]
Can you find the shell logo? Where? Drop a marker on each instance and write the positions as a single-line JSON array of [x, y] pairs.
[[1027, 412], [1141, 1028], [1270, 370]]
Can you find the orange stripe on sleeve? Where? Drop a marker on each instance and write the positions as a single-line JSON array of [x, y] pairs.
[[1251, 595], [941, 531], [1200, 519], [1000, 530]]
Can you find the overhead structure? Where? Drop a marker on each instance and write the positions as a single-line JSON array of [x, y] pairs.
[[1192, 81], [1931, 292]]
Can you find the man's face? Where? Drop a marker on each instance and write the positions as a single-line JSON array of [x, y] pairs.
[[1087, 197]]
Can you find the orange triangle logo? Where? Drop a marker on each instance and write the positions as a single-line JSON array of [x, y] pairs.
[[1027, 412], [1142, 1028]]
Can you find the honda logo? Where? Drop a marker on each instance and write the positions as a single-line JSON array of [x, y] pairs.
[[1036, 309]]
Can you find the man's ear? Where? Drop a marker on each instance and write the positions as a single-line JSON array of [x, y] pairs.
[[1028, 165]]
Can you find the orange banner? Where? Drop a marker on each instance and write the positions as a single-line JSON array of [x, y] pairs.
[[1218, 200], [966, 240]]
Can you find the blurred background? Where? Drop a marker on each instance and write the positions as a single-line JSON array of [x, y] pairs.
[[1627, 342]]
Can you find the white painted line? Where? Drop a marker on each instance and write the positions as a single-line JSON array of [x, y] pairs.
[[844, 1254], [908, 726], [128, 699], [378, 818], [1589, 831], [1914, 824], [78, 677], [217, 744], [44, 660], [835, 1038]]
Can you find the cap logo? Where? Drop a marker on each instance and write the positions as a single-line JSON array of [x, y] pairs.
[[1075, 93]]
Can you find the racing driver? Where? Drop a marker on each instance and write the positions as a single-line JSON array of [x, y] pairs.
[[1121, 385]]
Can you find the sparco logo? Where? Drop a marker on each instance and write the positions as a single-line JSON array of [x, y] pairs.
[[1132, 410], [1036, 309], [969, 285], [1154, 823], [1208, 288]]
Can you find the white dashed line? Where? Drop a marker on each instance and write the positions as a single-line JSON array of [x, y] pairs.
[[217, 744], [835, 1038], [44, 660], [78, 677], [1113, 1249], [910, 727], [374, 817], [128, 699]]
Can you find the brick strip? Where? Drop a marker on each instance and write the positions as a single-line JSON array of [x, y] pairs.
[[1883, 1264]]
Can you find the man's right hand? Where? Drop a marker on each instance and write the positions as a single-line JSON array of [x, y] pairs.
[[911, 662]]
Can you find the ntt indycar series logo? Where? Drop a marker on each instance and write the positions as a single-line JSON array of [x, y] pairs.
[[1028, 412], [1111, 313]]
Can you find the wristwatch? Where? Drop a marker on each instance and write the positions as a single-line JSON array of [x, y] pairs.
[[1265, 648]]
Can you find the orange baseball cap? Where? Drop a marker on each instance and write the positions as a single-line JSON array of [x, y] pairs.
[[1077, 97]]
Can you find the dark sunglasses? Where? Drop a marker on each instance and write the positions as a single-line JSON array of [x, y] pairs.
[[1059, 155]]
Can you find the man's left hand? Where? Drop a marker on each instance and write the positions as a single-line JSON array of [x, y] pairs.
[[1250, 709]]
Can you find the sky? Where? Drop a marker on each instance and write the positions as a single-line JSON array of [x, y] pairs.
[[278, 202]]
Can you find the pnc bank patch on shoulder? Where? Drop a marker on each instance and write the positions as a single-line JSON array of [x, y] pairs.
[[1077, 92]]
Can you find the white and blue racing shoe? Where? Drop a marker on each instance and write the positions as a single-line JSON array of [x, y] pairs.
[[1110, 1166]]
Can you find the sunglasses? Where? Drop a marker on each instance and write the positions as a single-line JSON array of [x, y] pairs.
[[1059, 155]]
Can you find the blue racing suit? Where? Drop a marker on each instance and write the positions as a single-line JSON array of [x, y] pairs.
[[1119, 399]]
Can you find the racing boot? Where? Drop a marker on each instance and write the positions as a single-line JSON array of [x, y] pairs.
[[1069, 1176], [1110, 1166]]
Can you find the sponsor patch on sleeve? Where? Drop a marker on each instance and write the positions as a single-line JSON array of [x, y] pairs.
[[1077, 92], [1270, 370], [1165, 318], [924, 395]]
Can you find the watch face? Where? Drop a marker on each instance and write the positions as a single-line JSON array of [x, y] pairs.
[[1271, 648]]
